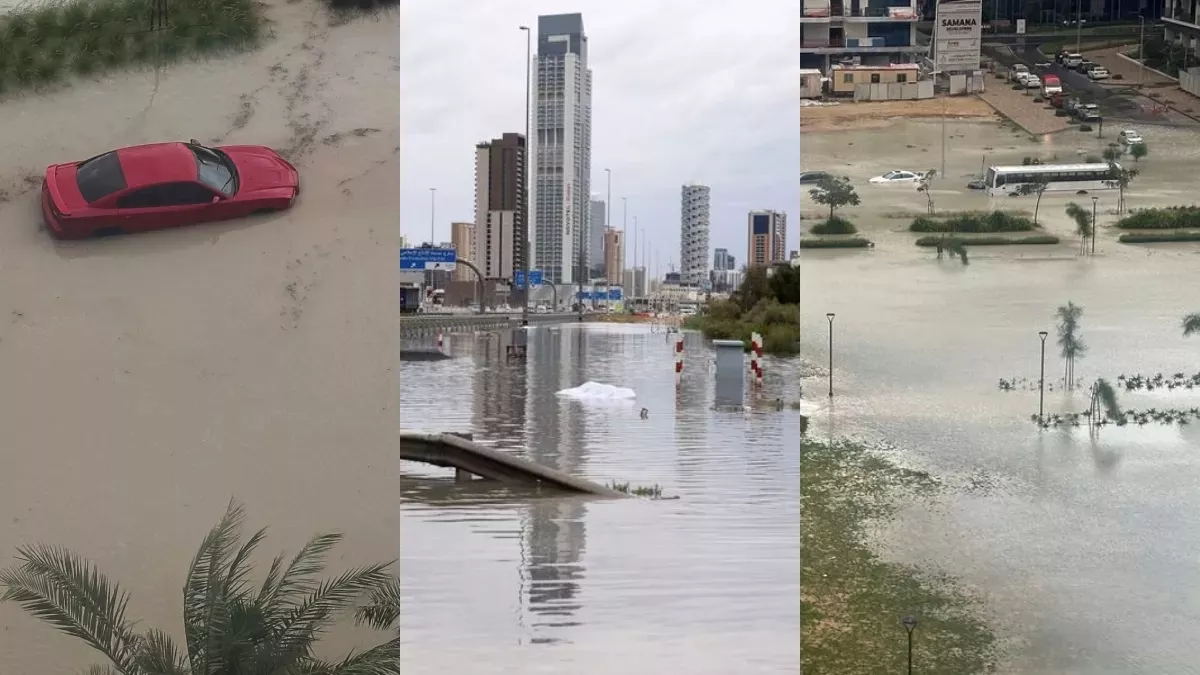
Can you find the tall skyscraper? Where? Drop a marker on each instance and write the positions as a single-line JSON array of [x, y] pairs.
[[462, 237], [499, 206], [693, 233], [596, 227], [561, 148], [722, 260], [766, 237], [612, 256]]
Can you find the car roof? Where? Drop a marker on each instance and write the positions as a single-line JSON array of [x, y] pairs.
[[157, 163]]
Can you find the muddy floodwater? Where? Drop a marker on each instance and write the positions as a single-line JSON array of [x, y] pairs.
[[505, 581], [1083, 549], [150, 378]]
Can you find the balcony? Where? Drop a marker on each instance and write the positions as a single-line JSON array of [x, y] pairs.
[[882, 14], [857, 46]]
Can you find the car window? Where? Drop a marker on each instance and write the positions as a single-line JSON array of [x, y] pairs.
[[167, 194], [889, 175], [145, 198], [183, 194], [212, 170], [100, 177]]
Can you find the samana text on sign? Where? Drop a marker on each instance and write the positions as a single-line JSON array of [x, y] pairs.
[[958, 35]]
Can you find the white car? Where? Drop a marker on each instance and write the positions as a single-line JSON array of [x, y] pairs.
[[1032, 82], [1098, 73], [898, 176], [1130, 137]]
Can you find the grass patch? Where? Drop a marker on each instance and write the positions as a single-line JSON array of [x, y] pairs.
[[851, 601], [932, 241], [347, 10], [841, 242], [834, 225], [1174, 217], [649, 491], [43, 44], [975, 223], [1157, 237]]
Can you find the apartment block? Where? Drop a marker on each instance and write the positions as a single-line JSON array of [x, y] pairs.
[[462, 237], [766, 237], [859, 32], [612, 256], [499, 206]]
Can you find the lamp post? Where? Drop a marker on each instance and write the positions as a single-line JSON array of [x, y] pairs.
[[1094, 201], [432, 221], [1078, 26], [525, 254], [830, 317], [910, 623], [1141, 51], [1042, 380]]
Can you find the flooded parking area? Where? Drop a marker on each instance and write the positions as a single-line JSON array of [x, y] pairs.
[[509, 581], [1082, 547]]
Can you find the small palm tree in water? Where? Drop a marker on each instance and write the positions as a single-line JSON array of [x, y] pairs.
[[1191, 325], [229, 626]]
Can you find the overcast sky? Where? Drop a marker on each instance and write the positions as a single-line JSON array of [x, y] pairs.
[[683, 90]]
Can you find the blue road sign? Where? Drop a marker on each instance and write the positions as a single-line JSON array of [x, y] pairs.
[[535, 278], [427, 259], [614, 294], [586, 295]]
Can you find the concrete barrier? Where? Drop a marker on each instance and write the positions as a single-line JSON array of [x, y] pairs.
[[465, 455]]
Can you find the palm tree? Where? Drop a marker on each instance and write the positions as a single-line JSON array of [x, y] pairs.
[[1070, 342], [229, 626], [1191, 325]]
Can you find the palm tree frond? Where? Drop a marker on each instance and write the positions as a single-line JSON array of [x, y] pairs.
[[98, 669], [310, 617], [69, 593], [205, 606], [298, 579], [158, 655], [1191, 325], [235, 579], [382, 610], [381, 660]]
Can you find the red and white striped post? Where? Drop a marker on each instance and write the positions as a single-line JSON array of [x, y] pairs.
[[678, 357], [756, 359], [440, 341]]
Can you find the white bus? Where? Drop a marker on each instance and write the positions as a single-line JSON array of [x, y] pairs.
[[1006, 180]]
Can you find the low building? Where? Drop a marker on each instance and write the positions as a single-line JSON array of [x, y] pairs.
[[810, 83], [844, 79]]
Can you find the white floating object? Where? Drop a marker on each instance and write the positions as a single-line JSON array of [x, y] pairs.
[[598, 392]]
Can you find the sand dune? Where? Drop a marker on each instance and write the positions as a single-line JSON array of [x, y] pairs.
[[149, 378]]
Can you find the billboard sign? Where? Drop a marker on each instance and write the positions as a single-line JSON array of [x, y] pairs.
[[428, 259], [958, 35]]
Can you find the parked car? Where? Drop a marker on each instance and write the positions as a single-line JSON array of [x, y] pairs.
[[1084, 66], [1033, 82], [898, 176], [1098, 73], [1018, 72], [161, 185], [978, 184], [1130, 137], [1090, 113], [811, 177], [1051, 85], [1072, 60]]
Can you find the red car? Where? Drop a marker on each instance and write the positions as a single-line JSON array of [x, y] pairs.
[[152, 187]]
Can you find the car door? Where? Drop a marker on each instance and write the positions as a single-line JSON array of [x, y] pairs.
[[161, 206]]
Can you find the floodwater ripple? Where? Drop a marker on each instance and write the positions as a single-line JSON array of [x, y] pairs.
[[509, 580]]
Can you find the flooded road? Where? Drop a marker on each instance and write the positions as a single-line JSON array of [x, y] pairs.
[[1083, 549], [504, 581]]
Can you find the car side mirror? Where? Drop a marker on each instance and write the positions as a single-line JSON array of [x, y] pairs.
[[216, 198]]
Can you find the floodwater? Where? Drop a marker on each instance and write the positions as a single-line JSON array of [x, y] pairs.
[[498, 581], [1084, 550], [151, 378]]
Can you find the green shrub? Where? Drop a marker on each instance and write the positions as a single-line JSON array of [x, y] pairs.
[[849, 242], [834, 225], [930, 242], [1174, 217], [970, 223], [1157, 237], [782, 339]]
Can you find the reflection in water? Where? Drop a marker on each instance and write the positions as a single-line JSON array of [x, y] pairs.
[[704, 584]]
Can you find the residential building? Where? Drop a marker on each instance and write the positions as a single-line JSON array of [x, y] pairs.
[[766, 237], [561, 148], [597, 224], [612, 256], [499, 206], [1181, 24], [864, 32], [693, 233], [462, 237], [725, 281]]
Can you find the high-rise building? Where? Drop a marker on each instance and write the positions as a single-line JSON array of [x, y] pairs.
[[612, 256], [499, 206], [766, 237], [722, 260], [597, 262], [561, 148], [462, 237], [693, 233], [867, 32]]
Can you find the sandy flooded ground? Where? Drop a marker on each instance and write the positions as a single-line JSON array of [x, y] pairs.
[[850, 116], [151, 378]]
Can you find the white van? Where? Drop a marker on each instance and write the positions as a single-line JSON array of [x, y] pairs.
[[1073, 59]]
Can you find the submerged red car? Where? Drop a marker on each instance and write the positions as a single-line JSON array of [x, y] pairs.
[[153, 187]]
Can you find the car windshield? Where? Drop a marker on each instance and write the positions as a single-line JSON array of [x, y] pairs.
[[215, 170], [100, 176], [891, 174]]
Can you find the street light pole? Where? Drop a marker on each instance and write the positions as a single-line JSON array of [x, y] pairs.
[[1042, 381], [526, 287], [1141, 51], [830, 317], [1078, 26], [607, 214], [432, 221], [1094, 200], [910, 623]]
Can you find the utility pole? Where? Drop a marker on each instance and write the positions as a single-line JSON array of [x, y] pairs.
[[526, 262]]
